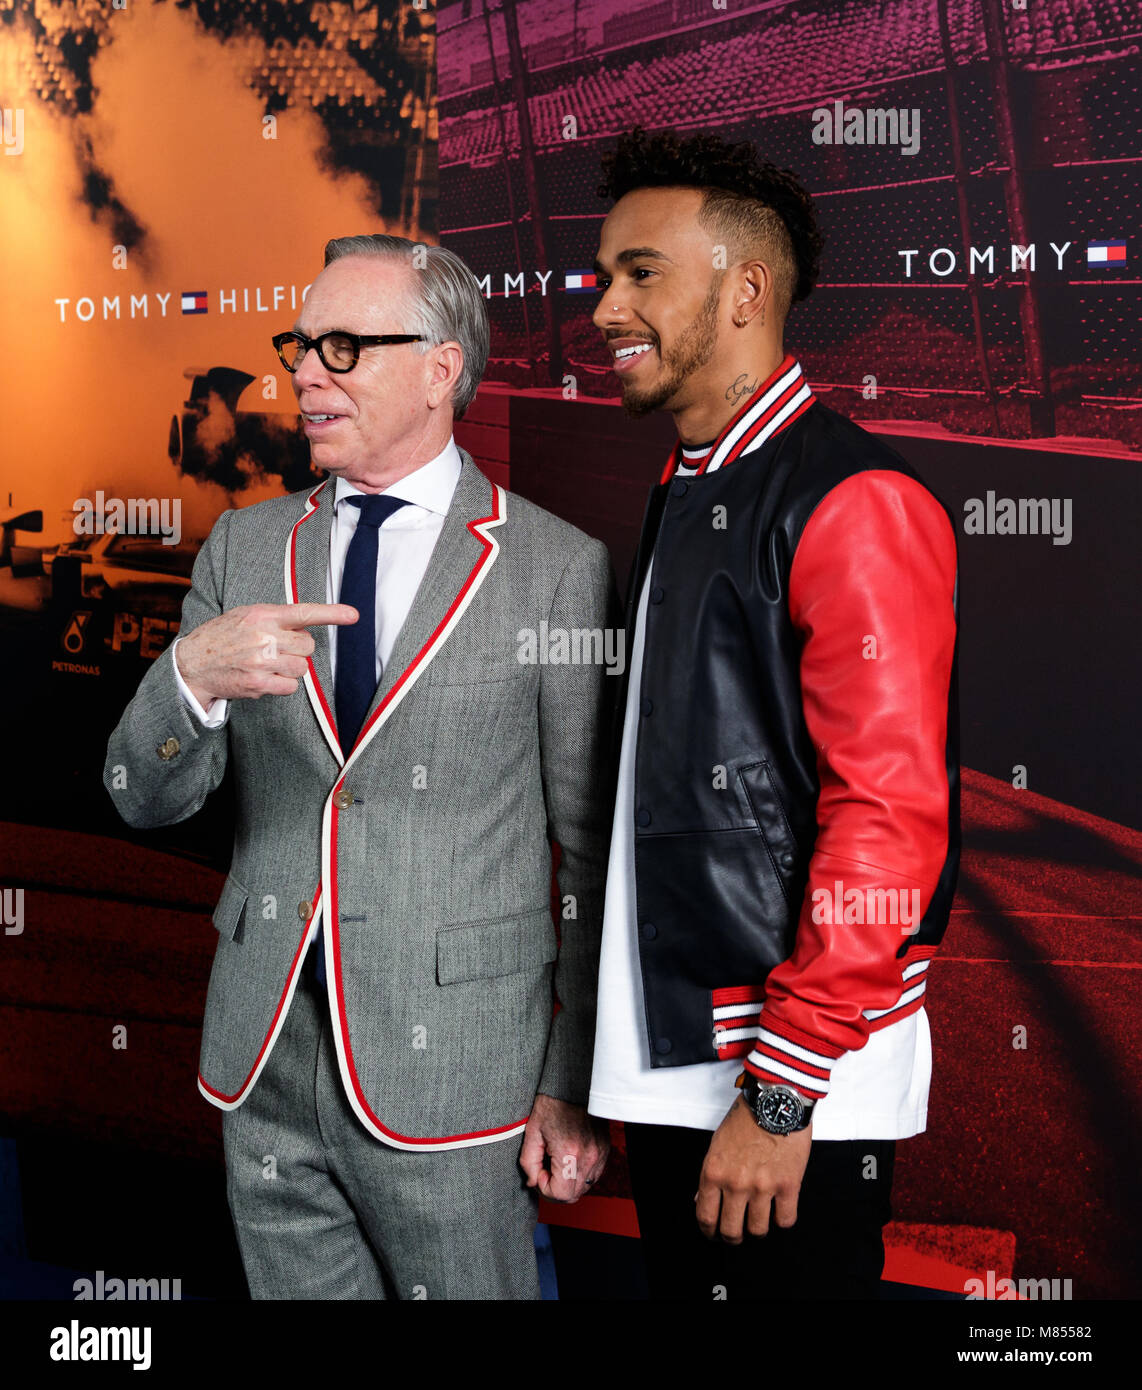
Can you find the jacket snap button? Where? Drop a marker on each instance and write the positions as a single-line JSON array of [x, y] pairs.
[[649, 931], [662, 1046], [787, 860], [643, 817], [647, 705], [656, 594], [678, 487], [303, 910]]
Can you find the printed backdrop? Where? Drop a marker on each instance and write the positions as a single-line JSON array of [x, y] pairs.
[[171, 171]]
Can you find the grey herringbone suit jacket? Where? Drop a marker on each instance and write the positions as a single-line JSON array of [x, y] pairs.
[[424, 848]]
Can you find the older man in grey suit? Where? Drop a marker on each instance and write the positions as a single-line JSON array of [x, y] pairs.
[[400, 762]]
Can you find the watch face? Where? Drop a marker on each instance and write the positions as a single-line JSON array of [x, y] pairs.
[[780, 1110]]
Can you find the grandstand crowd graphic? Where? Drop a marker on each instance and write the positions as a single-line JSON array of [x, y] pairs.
[[976, 171], [170, 174], [1023, 133]]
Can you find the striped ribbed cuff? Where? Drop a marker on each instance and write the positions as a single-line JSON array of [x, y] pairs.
[[783, 1055]]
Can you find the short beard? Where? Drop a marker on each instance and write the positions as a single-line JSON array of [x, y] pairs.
[[694, 348]]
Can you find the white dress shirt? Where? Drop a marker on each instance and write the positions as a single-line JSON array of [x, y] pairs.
[[405, 545]]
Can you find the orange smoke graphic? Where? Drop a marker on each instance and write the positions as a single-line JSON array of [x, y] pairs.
[[146, 173]]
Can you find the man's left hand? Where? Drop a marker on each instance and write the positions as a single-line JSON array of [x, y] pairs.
[[748, 1168], [574, 1145]]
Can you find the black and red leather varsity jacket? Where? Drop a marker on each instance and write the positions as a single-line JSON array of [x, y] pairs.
[[796, 771]]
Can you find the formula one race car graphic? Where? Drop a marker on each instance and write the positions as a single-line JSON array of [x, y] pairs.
[[135, 583], [23, 587], [219, 443], [140, 580], [143, 569], [116, 591]]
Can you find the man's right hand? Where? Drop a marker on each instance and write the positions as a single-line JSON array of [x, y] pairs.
[[256, 650]]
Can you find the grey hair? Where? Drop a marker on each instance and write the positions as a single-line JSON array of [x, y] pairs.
[[446, 307]]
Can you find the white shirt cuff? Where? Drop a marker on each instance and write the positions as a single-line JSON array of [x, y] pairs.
[[214, 716]]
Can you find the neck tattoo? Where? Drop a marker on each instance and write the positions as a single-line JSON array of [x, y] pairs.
[[740, 388]]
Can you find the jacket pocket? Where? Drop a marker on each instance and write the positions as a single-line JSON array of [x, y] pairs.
[[772, 822], [228, 915], [498, 946]]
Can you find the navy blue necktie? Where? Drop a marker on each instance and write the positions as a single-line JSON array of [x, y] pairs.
[[356, 681]]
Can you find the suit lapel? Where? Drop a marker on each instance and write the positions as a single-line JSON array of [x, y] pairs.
[[306, 578], [464, 553], [455, 554]]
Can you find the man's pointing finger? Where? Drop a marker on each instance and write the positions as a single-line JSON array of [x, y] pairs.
[[318, 614]]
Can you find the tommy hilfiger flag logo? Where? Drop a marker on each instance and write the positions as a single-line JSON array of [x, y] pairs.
[[1106, 253], [194, 301], [579, 281]]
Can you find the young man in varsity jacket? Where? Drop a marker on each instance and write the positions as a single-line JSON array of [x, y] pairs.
[[786, 833]]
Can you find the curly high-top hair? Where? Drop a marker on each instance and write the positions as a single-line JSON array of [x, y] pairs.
[[749, 202]]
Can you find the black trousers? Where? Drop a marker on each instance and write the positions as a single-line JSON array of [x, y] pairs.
[[835, 1250]]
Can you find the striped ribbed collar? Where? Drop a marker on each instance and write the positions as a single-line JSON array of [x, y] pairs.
[[775, 404]]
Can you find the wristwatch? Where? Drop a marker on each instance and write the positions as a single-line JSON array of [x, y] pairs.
[[778, 1109]]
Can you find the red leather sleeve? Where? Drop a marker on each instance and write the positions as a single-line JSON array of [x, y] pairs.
[[871, 593]]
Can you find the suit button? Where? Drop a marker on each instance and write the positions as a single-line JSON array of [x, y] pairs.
[[649, 931], [788, 860], [167, 750], [303, 910], [643, 817], [679, 487], [647, 705], [662, 1046], [656, 594], [343, 799]]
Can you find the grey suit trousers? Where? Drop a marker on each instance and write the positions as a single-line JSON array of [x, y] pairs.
[[323, 1210]]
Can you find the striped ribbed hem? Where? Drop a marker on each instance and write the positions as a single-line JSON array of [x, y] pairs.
[[736, 1014], [915, 980]]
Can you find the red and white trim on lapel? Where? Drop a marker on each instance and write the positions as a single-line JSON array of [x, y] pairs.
[[481, 529], [321, 706], [776, 403]]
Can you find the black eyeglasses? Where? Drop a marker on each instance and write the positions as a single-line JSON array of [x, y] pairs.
[[338, 350]]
